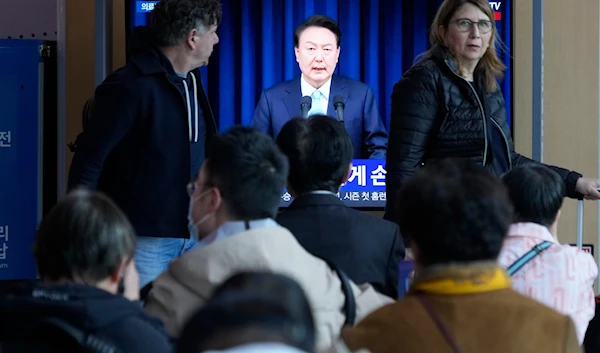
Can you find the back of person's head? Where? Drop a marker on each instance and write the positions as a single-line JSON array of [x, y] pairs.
[[251, 307], [454, 211], [172, 20], [536, 192], [249, 171], [84, 238], [319, 151]]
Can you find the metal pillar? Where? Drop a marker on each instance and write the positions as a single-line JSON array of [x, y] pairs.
[[61, 148], [538, 81], [103, 17], [598, 216]]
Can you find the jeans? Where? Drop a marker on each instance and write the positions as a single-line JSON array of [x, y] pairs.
[[153, 255]]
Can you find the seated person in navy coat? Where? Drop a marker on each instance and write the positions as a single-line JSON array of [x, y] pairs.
[[368, 249], [317, 47]]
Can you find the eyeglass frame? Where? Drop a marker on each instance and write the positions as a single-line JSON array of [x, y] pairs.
[[190, 188], [472, 24]]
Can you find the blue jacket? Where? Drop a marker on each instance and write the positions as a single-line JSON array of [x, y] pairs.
[[136, 146], [281, 103]]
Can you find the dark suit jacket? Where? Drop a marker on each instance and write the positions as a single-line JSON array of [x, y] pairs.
[[366, 248], [281, 103]]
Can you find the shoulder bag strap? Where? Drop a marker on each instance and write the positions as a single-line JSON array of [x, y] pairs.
[[349, 301], [89, 341], [440, 324], [523, 260]]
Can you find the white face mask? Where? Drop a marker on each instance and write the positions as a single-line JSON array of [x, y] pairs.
[[193, 226]]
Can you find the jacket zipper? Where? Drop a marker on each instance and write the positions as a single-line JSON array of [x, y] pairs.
[[505, 143], [485, 144]]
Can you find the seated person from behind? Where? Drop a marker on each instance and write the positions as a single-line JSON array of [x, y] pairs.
[[365, 247], [233, 203], [83, 250], [253, 312], [562, 276], [457, 215]]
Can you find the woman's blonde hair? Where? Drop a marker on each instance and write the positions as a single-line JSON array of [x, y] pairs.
[[490, 66]]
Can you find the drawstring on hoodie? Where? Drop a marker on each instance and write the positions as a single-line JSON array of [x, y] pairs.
[[189, 108]]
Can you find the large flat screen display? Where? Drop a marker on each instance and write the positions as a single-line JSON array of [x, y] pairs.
[[365, 187]]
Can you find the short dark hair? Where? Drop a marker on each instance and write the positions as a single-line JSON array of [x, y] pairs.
[[536, 192], [271, 306], [172, 20], [319, 150], [454, 211], [249, 171], [318, 21], [84, 237]]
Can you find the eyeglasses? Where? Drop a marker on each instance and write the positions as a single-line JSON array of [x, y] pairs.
[[466, 25], [191, 187]]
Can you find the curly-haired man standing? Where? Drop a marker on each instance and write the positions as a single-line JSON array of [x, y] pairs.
[[147, 134]]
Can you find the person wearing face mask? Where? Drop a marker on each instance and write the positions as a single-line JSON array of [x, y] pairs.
[[449, 104], [149, 127], [234, 201], [317, 49]]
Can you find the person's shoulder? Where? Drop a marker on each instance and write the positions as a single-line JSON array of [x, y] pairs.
[[373, 222], [390, 315], [351, 82], [282, 87], [149, 333], [426, 68], [582, 258], [509, 300], [130, 79]]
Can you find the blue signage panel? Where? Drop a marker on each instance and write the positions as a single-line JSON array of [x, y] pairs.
[[365, 186], [20, 157]]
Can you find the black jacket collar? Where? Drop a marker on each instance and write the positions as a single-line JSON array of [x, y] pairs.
[[316, 199]]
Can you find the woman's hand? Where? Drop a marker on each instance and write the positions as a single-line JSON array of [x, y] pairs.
[[589, 188]]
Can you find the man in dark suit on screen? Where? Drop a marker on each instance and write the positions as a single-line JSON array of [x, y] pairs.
[[317, 48], [366, 248]]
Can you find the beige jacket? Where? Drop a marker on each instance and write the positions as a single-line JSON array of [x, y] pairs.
[[190, 280]]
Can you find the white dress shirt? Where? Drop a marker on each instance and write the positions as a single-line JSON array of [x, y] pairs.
[[308, 90]]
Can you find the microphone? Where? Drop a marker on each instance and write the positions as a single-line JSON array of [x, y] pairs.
[[338, 104], [305, 105]]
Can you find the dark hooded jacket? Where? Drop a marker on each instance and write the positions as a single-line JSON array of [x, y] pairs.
[[146, 140], [109, 317]]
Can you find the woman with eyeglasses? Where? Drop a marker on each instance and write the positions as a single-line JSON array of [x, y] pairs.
[[449, 104]]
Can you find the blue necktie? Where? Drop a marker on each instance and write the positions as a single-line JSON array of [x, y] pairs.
[[316, 107]]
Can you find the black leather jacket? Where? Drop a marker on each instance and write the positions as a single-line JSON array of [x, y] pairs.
[[437, 114]]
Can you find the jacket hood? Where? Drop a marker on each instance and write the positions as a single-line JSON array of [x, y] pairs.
[[147, 56], [82, 306]]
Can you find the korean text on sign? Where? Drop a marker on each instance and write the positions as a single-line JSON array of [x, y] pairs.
[[146, 6], [3, 241], [5, 139], [366, 174]]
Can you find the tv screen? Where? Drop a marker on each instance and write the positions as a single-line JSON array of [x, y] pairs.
[[366, 185]]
